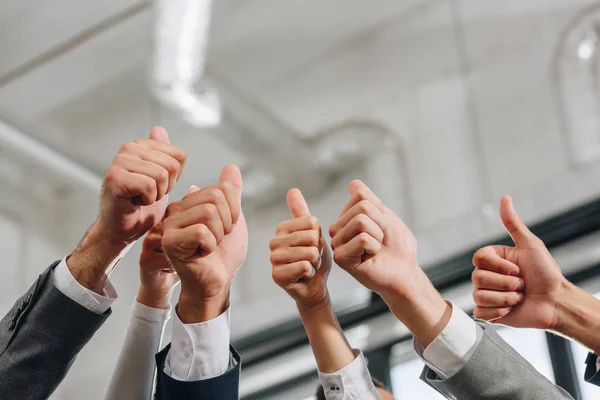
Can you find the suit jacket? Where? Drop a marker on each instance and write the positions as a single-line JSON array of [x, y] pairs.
[[495, 371], [223, 387], [592, 375], [40, 338]]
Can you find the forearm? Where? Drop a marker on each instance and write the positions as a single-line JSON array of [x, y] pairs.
[[578, 316], [425, 313], [89, 261], [329, 345]]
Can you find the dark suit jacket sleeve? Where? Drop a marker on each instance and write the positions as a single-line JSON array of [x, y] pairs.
[[495, 371], [223, 387], [40, 338], [592, 375]]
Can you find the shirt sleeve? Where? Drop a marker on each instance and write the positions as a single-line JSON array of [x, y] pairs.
[[65, 282], [200, 351], [351, 382], [598, 364], [454, 346], [133, 376]]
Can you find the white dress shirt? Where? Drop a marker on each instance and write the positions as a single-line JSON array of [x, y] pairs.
[[353, 382], [454, 346], [133, 376], [207, 343]]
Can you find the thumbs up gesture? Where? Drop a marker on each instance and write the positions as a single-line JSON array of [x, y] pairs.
[[299, 255], [205, 236], [517, 286]]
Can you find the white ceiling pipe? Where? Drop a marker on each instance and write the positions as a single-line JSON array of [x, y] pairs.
[[13, 139]]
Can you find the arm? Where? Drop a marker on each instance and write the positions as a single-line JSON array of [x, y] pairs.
[[522, 286], [464, 360], [301, 264], [206, 238], [133, 376], [43, 333]]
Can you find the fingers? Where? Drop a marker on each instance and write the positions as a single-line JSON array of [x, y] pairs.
[[297, 204], [294, 239], [515, 227], [364, 207], [154, 158], [287, 255], [212, 195], [289, 274], [352, 254], [298, 224], [123, 183], [496, 259], [205, 214], [491, 313], [483, 279], [231, 180], [491, 298], [357, 225], [359, 191], [141, 167], [188, 242]]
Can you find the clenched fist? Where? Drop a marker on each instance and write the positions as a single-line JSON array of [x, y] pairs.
[[206, 238], [299, 255], [371, 243], [518, 286], [134, 194]]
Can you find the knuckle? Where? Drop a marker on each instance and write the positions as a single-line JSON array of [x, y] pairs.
[[477, 296], [273, 258], [209, 210], [313, 222], [338, 258], [362, 222], [216, 193], [127, 147], [306, 267], [313, 255], [364, 206], [477, 278], [363, 238], [478, 257], [273, 244]]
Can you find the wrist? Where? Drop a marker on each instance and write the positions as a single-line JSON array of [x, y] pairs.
[[314, 307], [153, 298], [420, 307], [194, 308], [91, 258]]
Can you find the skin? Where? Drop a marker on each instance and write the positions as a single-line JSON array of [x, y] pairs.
[[522, 286], [373, 245], [133, 200], [206, 238]]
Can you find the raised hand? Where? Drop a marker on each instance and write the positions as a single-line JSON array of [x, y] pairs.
[[377, 248], [134, 194], [133, 200], [518, 286], [371, 243], [300, 256], [206, 238], [157, 276]]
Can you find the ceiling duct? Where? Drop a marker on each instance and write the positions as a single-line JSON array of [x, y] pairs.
[[279, 157]]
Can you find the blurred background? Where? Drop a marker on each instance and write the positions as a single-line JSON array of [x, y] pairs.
[[441, 106]]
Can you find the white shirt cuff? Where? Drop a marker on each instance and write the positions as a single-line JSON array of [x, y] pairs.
[[351, 382], [65, 282], [200, 351], [597, 363], [149, 315], [454, 346]]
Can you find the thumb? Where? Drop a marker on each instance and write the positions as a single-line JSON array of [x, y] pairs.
[[513, 224], [232, 174], [297, 204], [159, 134]]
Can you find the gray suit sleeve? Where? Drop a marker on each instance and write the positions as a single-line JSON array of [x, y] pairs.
[[495, 371], [40, 338]]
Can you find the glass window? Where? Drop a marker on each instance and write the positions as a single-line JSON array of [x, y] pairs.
[[407, 385], [588, 391]]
